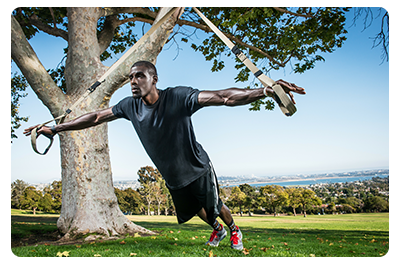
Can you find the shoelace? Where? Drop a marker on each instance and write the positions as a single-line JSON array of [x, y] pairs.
[[234, 238], [213, 235]]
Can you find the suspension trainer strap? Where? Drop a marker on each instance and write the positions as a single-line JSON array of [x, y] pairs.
[[93, 87], [286, 105]]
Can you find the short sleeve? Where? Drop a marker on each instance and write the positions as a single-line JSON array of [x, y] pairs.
[[192, 100], [120, 109]]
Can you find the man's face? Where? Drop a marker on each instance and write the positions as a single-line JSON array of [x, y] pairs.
[[141, 81]]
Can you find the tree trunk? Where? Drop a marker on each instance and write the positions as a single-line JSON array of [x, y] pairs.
[[294, 211], [89, 204]]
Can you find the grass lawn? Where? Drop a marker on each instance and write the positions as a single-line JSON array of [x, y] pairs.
[[350, 235]]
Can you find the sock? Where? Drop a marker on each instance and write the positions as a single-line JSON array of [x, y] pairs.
[[232, 226], [217, 226]]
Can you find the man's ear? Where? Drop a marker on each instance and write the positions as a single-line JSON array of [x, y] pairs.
[[155, 79]]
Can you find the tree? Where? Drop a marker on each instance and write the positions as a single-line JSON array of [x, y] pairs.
[[308, 197], [89, 202], [293, 198], [17, 190], [159, 193], [377, 204], [251, 199], [273, 196], [129, 200], [350, 204], [148, 185], [30, 199], [18, 87], [237, 198], [282, 35], [45, 203]]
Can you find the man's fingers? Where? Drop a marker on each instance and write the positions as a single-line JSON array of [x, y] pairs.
[[292, 97], [28, 131], [291, 87]]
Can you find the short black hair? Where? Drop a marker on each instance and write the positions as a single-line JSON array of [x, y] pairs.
[[150, 66]]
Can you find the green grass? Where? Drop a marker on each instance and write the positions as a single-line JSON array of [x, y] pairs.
[[352, 235]]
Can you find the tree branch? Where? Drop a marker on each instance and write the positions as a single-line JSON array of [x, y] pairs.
[[109, 11], [149, 50], [205, 28], [34, 20], [106, 36], [292, 13], [34, 72]]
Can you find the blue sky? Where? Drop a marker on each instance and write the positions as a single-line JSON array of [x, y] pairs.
[[342, 123]]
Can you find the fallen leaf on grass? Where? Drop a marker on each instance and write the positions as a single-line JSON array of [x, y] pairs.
[[122, 242], [153, 237], [133, 254], [64, 254], [96, 255], [210, 254], [312, 255], [136, 235], [245, 251]]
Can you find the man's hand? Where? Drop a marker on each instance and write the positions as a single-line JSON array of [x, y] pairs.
[[291, 87], [43, 130]]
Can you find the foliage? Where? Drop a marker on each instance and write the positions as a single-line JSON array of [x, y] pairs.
[[24, 196], [251, 200], [270, 37], [237, 198], [129, 200], [376, 203], [18, 87], [17, 190], [306, 198], [30, 199], [153, 189], [273, 196]]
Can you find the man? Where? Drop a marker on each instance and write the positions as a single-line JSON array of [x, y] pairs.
[[162, 120]]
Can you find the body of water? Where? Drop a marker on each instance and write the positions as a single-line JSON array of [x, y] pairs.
[[316, 181]]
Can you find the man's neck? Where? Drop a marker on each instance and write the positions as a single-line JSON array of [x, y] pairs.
[[151, 98]]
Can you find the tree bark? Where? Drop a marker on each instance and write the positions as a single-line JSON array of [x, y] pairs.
[[89, 204]]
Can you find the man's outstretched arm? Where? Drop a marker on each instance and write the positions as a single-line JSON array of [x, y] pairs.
[[85, 121], [237, 96]]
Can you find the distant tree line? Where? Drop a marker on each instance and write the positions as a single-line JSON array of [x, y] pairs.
[[153, 198], [366, 196], [24, 196]]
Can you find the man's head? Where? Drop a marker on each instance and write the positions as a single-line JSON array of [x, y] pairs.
[[150, 67], [143, 78]]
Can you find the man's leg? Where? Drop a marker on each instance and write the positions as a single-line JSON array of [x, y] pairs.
[[219, 232], [236, 234]]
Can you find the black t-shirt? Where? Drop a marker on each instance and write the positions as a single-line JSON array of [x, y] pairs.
[[166, 132]]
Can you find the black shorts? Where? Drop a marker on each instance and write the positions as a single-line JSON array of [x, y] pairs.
[[202, 193]]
